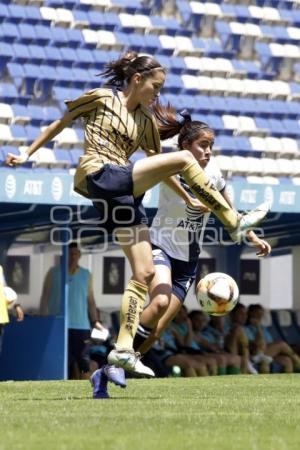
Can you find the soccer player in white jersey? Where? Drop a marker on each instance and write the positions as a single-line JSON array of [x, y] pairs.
[[177, 230]]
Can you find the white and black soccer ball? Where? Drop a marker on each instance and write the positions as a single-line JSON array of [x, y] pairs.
[[217, 293]]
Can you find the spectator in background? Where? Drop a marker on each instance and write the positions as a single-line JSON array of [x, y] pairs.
[[227, 363], [237, 341], [261, 340], [182, 329], [172, 356], [81, 309], [7, 301]]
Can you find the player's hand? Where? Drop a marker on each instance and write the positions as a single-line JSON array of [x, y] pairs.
[[195, 203], [16, 160], [263, 247], [19, 313]]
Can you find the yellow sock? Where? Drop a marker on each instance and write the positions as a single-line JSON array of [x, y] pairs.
[[205, 191], [131, 308]]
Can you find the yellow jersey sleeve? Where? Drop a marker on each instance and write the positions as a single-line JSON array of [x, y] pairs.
[[87, 102]]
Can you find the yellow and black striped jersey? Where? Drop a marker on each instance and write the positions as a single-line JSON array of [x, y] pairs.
[[112, 133]]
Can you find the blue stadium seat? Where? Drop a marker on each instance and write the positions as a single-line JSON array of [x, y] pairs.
[[20, 53], [152, 43], [16, 73], [75, 37], [173, 83], [242, 145], [215, 122], [111, 21], [130, 7], [81, 17], [75, 154], [291, 127], [8, 92], [43, 34], [136, 42], [64, 76], [69, 56], [59, 36], [51, 113], [9, 32], [19, 133], [95, 19], [33, 14], [4, 12], [37, 114], [32, 133], [37, 53], [262, 124], [17, 13], [27, 33], [21, 114], [84, 57], [263, 108], [277, 128], [227, 144], [177, 65], [53, 55], [63, 157], [100, 57]]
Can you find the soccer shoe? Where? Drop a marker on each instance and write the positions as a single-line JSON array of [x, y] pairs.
[[249, 220], [116, 375], [261, 358], [252, 369], [99, 383], [129, 360]]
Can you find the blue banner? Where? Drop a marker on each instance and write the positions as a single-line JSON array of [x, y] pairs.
[[48, 187], [56, 188]]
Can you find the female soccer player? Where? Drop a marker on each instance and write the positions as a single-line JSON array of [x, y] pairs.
[[117, 123], [177, 230], [177, 233]]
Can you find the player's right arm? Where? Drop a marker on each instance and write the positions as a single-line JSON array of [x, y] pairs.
[[46, 136]]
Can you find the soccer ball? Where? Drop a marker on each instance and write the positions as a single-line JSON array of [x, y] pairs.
[[217, 293]]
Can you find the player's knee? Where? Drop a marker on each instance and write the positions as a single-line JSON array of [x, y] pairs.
[[162, 303], [187, 157]]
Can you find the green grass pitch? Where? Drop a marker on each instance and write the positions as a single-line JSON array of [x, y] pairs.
[[213, 413]]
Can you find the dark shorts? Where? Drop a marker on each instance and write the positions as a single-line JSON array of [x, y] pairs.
[[111, 190], [183, 272], [77, 346]]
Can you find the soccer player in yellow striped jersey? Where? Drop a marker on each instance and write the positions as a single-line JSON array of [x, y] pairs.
[[118, 122]]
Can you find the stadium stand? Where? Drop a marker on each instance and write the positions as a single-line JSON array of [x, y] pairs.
[[242, 61]]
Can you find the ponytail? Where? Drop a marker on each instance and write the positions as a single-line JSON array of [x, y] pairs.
[[116, 70], [120, 71], [170, 124]]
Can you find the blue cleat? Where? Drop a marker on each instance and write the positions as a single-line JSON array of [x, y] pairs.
[[116, 375], [99, 383]]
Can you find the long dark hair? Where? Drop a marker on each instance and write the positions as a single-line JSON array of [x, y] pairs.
[[170, 124], [120, 71]]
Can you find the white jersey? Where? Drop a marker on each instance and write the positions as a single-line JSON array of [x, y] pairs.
[[177, 228]]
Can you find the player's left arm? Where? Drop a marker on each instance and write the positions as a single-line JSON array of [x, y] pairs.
[[263, 247], [92, 306]]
